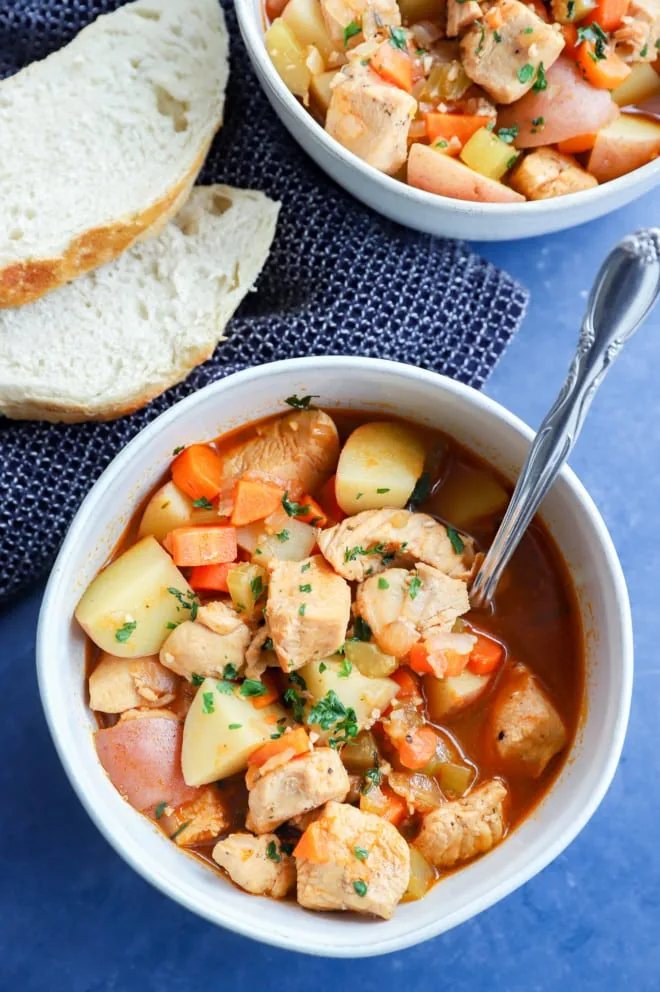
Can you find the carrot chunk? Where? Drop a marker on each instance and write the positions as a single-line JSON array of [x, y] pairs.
[[608, 14], [419, 659], [408, 685], [448, 126], [270, 696], [311, 846], [254, 501], [198, 472], [328, 502], [569, 31], [393, 65], [485, 656], [417, 749], [212, 578], [310, 512], [581, 143], [202, 545], [296, 739], [603, 73]]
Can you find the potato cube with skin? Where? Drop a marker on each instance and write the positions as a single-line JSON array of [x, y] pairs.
[[437, 173], [196, 822], [505, 60], [259, 865], [628, 143], [546, 173]]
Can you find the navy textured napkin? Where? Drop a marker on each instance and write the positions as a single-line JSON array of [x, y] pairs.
[[340, 280]]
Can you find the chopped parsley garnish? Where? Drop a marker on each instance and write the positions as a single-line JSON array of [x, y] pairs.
[[540, 83], [306, 587], [478, 50], [441, 143], [283, 536], [278, 733], [267, 645], [420, 51], [497, 36], [570, 9], [179, 448], [208, 702], [383, 583], [361, 629], [381, 491], [226, 688], [235, 726], [595, 35], [286, 848], [301, 609], [305, 402], [456, 540], [351, 554], [125, 631], [202, 503], [508, 134], [512, 161], [322, 667], [330, 712], [298, 680], [306, 567], [197, 679], [345, 669], [180, 829], [361, 853], [188, 601], [294, 509], [528, 31], [644, 52], [272, 852], [525, 72], [349, 31], [257, 586], [398, 38], [414, 587], [253, 687], [230, 672], [171, 626], [538, 122], [361, 888], [296, 702], [160, 808], [371, 778], [359, 495], [421, 492]]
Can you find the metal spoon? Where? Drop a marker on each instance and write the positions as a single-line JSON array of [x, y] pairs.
[[626, 290]]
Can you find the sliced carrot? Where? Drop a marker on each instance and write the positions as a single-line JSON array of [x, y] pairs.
[[485, 656], [494, 18], [254, 501], [270, 696], [608, 14], [202, 545], [570, 34], [408, 684], [312, 846], [448, 126], [328, 501], [604, 74], [314, 513], [198, 471], [418, 659], [573, 146], [417, 749], [296, 739], [455, 663], [396, 809], [393, 65], [212, 578]]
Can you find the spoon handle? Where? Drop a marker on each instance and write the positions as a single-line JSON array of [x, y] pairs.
[[624, 293]]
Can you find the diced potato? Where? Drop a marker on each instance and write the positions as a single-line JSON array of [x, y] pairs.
[[221, 731], [284, 538], [437, 173], [127, 607], [379, 466], [363, 694], [468, 495], [320, 88], [168, 509], [369, 659], [288, 56], [570, 11], [314, 61], [413, 11], [628, 143], [305, 20], [488, 154], [246, 584], [422, 876], [248, 537], [361, 753], [642, 84], [446, 697]]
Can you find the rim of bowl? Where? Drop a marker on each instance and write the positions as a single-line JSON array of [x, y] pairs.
[[254, 40], [56, 714]]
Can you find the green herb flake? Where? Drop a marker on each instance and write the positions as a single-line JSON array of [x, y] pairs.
[[160, 808], [345, 669], [349, 32], [278, 733], [421, 492], [208, 702], [540, 83], [298, 680], [383, 583], [286, 848], [361, 888], [230, 672], [570, 9], [480, 47], [441, 143], [202, 503], [330, 712], [414, 587], [456, 540], [644, 52], [301, 609], [305, 402], [420, 51], [296, 703], [272, 853], [197, 679], [381, 491], [253, 687], [398, 38], [226, 688], [267, 645], [359, 496], [361, 853], [497, 36], [352, 554], [306, 587], [508, 134], [180, 830], [306, 567], [361, 629], [235, 726], [293, 509], [283, 536], [171, 626], [322, 667], [528, 31], [525, 72], [512, 161], [371, 778], [125, 631], [179, 448], [256, 587], [188, 601]]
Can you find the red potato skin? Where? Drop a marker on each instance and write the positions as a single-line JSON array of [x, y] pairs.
[[142, 758], [569, 107], [438, 173]]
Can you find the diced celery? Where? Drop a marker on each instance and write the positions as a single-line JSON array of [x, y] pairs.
[[422, 876], [369, 659], [361, 753], [447, 81], [486, 153], [455, 779]]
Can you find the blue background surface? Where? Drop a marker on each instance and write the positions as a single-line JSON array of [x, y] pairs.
[[76, 918]]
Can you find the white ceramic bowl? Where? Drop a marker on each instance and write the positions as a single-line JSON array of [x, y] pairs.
[[416, 208], [487, 429]]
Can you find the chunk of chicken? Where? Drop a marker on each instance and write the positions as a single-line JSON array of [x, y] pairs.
[[218, 637], [525, 728], [302, 784], [460, 15], [339, 879], [505, 60], [546, 173], [370, 117], [199, 821], [257, 864], [298, 452], [256, 657], [370, 15], [401, 606], [638, 38], [464, 827], [366, 543], [308, 608], [119, 684]]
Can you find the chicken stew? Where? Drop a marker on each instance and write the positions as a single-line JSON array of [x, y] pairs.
[[287, 675], [499, 102]]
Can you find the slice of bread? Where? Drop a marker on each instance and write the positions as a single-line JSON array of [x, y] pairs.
[[102, 140], [110, 341]]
